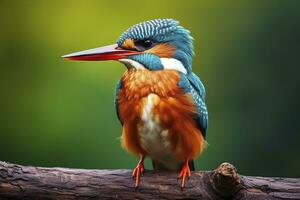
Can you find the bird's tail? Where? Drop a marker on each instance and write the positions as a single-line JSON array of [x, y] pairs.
[[192, 165]]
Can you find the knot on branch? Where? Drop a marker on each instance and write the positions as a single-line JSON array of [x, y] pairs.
[[225, 180]]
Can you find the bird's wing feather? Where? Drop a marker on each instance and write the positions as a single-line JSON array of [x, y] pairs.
[[192, 84], [197, 84], [118, 87]]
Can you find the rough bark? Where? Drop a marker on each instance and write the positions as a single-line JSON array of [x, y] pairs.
[[26, 182]]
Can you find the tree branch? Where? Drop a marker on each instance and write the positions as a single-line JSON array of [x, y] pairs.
[[26, 182]]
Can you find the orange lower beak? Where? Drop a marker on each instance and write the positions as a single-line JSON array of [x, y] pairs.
[[110, 52]]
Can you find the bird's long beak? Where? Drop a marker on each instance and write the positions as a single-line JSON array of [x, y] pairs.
[[110, 52]]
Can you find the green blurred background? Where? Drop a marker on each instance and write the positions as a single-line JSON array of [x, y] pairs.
[[61, 113]]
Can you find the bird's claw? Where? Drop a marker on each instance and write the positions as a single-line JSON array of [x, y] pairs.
[[184, 173], [137, 173]]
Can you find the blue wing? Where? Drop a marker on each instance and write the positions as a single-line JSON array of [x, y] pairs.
[[118, 87], [192, 84]]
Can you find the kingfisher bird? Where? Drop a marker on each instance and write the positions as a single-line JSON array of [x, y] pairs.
[[159, 101]]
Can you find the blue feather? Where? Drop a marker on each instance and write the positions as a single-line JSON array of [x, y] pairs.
[[118, 87], [192, 84], [198, 85], [151, 61]]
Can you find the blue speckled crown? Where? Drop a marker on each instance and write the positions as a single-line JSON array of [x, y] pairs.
[[155, 29]]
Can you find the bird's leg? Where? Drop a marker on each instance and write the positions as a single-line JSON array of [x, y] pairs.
[[184, 173], [138, 170]]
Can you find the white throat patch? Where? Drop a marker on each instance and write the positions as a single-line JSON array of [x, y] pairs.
[[172, 63], [132, 63], [168, 63]]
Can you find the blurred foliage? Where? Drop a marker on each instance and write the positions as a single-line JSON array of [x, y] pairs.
[[61, 113]]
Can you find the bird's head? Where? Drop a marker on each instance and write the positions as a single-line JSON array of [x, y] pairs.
[[154, 45]]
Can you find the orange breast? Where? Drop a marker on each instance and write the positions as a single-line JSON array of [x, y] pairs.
[[173, 109]]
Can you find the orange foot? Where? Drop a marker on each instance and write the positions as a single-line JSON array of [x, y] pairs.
[[138, 170], [185, 172]]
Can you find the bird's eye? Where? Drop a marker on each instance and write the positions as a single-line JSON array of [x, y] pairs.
[[143, 45], [147, 43]]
